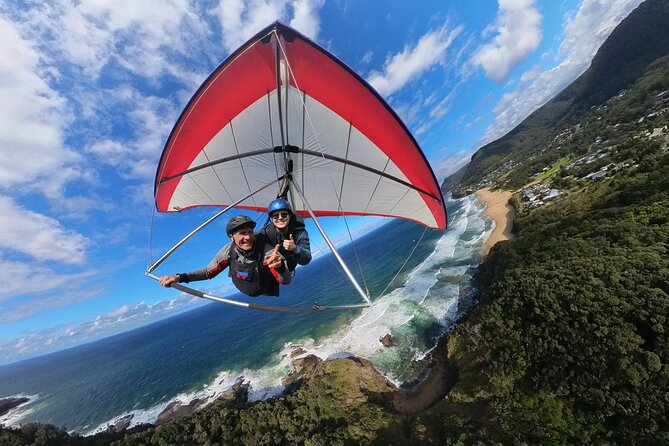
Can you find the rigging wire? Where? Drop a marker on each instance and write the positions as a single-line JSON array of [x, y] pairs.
[[286, 183], [320, 146], [168, 151], [355, 251], [405, 262]]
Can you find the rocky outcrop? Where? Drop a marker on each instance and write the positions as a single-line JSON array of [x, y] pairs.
[[297, 352], [121, 424], [350, 382], [176, 410], [8, 404], [303, 368], [235, 395], [387, 340], [437, 380]]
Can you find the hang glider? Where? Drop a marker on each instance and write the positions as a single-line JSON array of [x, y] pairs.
[[282, 111]]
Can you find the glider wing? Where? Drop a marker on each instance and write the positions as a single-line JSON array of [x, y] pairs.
[[280, 104]]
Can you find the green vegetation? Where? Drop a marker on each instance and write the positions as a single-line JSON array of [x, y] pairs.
[[570, 341], [571, 333], [569, 344], [564, 162], [636, 52]]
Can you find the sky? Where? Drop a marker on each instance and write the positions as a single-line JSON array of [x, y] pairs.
[[90, 90]]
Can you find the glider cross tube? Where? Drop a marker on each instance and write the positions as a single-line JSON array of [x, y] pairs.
[[294, 149], [203, 225], [280, 309]]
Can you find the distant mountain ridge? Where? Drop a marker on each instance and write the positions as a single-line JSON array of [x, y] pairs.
[[637, 42]]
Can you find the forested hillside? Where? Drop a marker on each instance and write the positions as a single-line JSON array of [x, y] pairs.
[[626, 56], [569, 343]]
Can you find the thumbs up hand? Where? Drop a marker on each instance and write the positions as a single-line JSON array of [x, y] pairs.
[[289, 244]]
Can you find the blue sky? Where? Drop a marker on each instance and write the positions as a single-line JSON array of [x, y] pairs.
[[89, 91]]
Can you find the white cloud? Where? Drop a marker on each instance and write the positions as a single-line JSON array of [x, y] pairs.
[[451, 164], [33, 118], [46, 45], [412, 62], [92, 33], [30, 279], [38, 236], [590, 26], [240, 20], [518, 33], [110, 152], [367, 57], [585, 32], [18, 309], [85, 43], [152, 120], [305, 17], [64, 336], [442, 107]]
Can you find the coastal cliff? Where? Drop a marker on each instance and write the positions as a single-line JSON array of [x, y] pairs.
[[568, 343]]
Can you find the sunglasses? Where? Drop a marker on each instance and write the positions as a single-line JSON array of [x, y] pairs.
[[278, 215]]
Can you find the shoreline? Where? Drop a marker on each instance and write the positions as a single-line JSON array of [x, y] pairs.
[[441, 374], [438, 379], [498, 209], [435, 381]]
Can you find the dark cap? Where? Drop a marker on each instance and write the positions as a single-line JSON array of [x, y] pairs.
[[236, 223]]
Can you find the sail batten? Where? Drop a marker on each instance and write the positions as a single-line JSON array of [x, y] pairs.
[[354, 155]]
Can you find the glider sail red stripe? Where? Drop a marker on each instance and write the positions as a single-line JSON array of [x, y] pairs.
[[281, 90], [355, 102], [215, 103]]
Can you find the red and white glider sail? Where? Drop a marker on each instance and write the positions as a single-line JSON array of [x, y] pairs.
[[282, 100]]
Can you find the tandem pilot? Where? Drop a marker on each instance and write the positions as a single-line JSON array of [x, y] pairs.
[[255, 265], [286, 229]]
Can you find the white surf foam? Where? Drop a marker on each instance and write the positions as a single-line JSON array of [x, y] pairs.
[[16, 415], [424, 295]]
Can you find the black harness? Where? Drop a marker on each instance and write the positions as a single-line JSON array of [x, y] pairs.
[[248, 274]]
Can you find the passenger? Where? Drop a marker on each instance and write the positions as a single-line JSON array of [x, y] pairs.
[[255, 266], [287, 230]]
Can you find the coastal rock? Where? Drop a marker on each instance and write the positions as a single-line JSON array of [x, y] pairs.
[[387, 340], [436, 381], [303, 368], [177, 410], [350, 382], [237, 394], [121, 424], [8, 404], [297, 352]]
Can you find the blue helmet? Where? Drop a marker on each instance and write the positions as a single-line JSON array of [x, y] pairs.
[[279, 204]]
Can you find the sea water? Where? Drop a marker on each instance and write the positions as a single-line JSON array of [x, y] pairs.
[[201, 353]]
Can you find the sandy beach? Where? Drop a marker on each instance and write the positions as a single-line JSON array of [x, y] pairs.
[[501, 212]]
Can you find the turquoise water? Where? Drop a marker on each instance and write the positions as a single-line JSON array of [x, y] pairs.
[[203, 352]]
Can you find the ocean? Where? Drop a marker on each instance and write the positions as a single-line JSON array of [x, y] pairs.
[[202, 352]]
